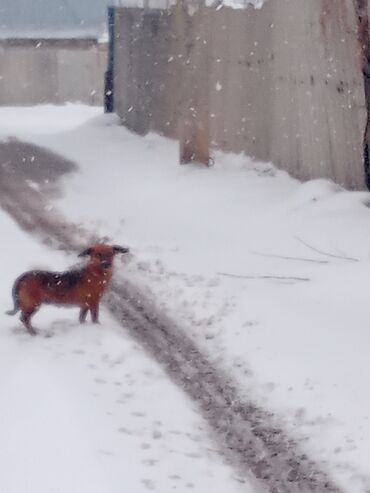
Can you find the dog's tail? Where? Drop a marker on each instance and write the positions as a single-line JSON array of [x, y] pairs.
[[15, 300], [13, 312]]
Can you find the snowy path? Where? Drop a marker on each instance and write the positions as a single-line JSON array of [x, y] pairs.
[[245, 433]]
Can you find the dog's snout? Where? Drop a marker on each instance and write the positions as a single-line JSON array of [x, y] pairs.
[[106, 264]]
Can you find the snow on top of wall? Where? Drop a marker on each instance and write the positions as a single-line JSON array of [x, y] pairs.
[[96, 33], [162, 4], [237, 4]]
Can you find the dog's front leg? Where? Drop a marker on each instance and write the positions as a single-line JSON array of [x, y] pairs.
[[95, 314]]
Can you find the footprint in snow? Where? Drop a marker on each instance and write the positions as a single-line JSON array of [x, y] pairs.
[[138, 414], [150, 462], [174, 477], [125, 431], [100, 380], [149, 484]]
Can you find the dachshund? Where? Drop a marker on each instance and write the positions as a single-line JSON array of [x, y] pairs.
[[80, 287]]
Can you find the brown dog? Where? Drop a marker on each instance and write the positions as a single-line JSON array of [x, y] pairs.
[[83, 287]]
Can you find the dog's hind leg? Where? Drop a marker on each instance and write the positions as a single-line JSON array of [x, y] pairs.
[[26, 319], [83, 314], [95, 314]]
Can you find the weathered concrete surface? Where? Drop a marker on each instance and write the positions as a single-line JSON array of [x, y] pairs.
[[46, 71], [247, 436], [282, 84]]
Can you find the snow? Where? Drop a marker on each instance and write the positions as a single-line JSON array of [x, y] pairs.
[[298, 346], [239, 4], [86, 410], [161, 4]]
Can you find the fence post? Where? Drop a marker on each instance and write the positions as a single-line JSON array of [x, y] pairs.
[[194, 120]]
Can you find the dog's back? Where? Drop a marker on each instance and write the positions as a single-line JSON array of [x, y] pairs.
[[36, 287]]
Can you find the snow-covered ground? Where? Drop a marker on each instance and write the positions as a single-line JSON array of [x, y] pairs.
[[86, 411], [293, 329]]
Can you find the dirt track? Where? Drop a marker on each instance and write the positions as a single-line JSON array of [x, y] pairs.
[[245, 433]]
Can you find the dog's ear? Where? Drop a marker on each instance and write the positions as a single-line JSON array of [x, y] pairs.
[[86, 252], [119, 249]]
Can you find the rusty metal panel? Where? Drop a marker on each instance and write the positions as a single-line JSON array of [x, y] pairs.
[[283, 83]]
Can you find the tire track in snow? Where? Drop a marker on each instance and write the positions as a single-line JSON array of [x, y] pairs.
[[245, 433]]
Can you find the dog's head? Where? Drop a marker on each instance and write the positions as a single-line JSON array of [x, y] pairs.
[[103, 255]]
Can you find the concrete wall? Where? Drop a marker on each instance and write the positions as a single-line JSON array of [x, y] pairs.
[[46, 71], [282, 84]]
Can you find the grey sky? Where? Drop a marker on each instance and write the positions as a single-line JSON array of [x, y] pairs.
[[29, 17]]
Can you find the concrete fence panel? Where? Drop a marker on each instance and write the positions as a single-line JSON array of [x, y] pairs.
[[283, 83], [35, 72]]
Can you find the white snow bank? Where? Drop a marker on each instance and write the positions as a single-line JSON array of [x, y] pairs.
[[44, 119]]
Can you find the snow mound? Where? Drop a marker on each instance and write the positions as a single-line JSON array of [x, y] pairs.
[[314, 191]]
